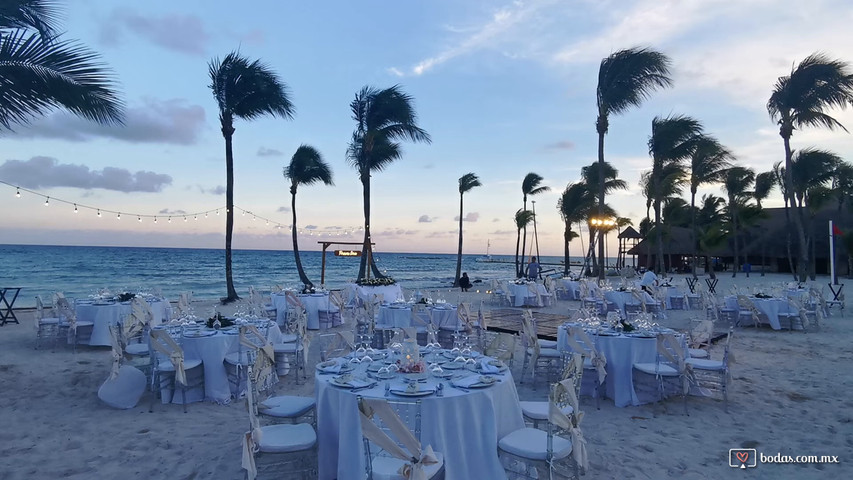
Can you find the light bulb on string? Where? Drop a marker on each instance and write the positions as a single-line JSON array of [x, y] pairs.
[[47, 202], [185, 219], [268, 223], [99, 213], [75, 208], [195, 217], [155, 219], [118, 216], [170, 219], [205, 214], [139, 219], [18, 192]]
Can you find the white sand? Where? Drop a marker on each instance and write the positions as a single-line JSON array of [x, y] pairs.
[[791, 394]]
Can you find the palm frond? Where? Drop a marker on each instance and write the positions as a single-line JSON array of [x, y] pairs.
[[523, 218], [37, 77], [248, 89], [627, 77], [674, 138], [707, 162], [468, 182], [530, 183], [307, 167], [764, 183], [40, 15]]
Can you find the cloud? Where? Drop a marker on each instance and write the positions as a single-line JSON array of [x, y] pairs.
[[166, 211], [425, 219], [396, 72], [469, 217], [310, 227], [503, 232], [217, 190], [46, 172], [561, 145], [155, 121], [283, 210], [177, 32], [269, 152], [496, 220]]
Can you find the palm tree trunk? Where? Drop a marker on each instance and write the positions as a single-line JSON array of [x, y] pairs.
[[523, 249], [228, 132], [737, 245], [566, 258], [601, 127], [459, 254], [802, 264], [693, 235], [659, 238], [517, 243], [788, 239], [302, 277]]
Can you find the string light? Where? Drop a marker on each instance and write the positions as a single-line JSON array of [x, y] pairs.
[[140, 219], [118, 217], [47, 202], [185, 219], [99, 213], [18, 193], [195, 218], [170, 219], [75, 208], [155, 219]]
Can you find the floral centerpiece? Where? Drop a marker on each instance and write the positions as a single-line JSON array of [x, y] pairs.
[[376, 282], [627, 327], [126, 296], [308, 289], [223, 322], [417, 367]]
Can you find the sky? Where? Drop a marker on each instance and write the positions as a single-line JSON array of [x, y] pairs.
[[503, 87]]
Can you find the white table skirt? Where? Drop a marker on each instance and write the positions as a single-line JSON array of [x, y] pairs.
[[313, 303], [464, 427], [623, 298], [622, 353], [673, 292], [212, 350], [401, 317], [390, 293], [771, 307], [105, 315], [573, 287], [524, 297]]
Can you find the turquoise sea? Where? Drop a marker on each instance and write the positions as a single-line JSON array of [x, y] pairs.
[[81, 271]]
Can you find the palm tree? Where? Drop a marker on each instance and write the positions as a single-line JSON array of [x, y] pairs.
[[764, 183], [246, 90], [625, 79], [383, 118], [779, 173], [842, 184], [673, 140], [573, 205], [306, 168], [593, 176], [522, 219], [800, 100], [711, 230], [466, 183], [40, 72], [707, 163], [530, 186], [735, 184], [847, 241]]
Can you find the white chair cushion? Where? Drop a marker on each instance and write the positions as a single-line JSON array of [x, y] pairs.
[[287, 347], [698, 353], [287, 438], [49, 321], [659, 369], [286, 406], [288, 338], [539, 410], [386, 468], [532, 443], [125, 390], [79, 324], [166, 365], [547, 344], [546, 352], [136, 349], [705, 364]]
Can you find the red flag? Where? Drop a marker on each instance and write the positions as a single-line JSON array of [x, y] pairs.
[[836, 230]]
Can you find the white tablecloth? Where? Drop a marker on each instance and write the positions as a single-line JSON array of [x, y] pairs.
[[465, 427], [524, 297], [401, 316], [105, 315], [771, 307], [573, 287], [313, 302], [212, 350], [673, 292], [390, 293], [622, 298], [622, 353]]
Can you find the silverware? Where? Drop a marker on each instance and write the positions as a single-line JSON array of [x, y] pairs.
[[358, 389]]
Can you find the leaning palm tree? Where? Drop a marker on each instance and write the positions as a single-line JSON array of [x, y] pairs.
[[673, 141], [736, 184], [593, 176], [574, 204], [466, 183], [779, 173], [764, 183], [522, 219], [40, 72], [711, 227], [800, 100], [707, 164], [530, 186], [246, 90], [625, 79], [306, 168], [383, 118]]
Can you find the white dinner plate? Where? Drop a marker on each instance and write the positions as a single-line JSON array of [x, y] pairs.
[[416, 393], [453, 366], [346, 367], [199, 334]]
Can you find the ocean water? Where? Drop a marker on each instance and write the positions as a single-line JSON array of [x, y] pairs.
[[81, 271]]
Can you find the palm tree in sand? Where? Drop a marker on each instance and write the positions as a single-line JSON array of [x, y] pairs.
[[593, 176], [40, 72], [530, 186], [764, 183], [736, 184], [306, 168], [625, 79], [383, 118], [246, 90], [673, 141], [522, 219], [466, 183], [800, 100], [707, 164], [574, 204]]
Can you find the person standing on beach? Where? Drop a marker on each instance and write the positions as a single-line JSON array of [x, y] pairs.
[[649, 281], [533, 269]]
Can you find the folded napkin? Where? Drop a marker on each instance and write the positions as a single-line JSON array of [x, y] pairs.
[[487, 367], [353, 381], [468, 381], [335, 367]]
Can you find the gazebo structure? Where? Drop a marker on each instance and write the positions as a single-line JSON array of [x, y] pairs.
[[628, 239]]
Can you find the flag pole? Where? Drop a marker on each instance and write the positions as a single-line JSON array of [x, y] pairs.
[[832, 277]]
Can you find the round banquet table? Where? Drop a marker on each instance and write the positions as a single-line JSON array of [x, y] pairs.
[[463, 426], [622, 352], [573, 287], [111, 313], [623, 298], [390, 293], [522, 294], [212, 350], [312, 302], [771, 307], [400, 315]]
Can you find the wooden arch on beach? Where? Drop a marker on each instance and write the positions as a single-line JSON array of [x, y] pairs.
[[326, 245]]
